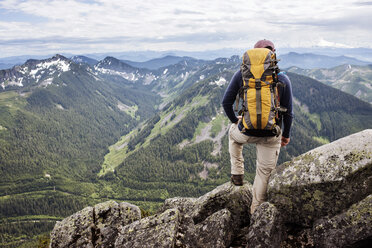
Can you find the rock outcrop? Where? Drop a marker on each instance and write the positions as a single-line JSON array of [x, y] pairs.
[[324, 181], [94, 226], [322, 198], [266, 229]]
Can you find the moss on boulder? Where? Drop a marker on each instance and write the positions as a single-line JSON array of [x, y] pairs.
[[324, 181]]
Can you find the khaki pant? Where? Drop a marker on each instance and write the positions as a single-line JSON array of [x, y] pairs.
[[267, 150]]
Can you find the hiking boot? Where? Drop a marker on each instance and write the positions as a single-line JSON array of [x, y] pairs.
[[237, 180]]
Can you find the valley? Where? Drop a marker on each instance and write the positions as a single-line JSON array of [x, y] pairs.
[[76, 134]]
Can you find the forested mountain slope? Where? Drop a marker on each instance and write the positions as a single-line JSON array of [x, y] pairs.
[[183, 150], [353, 79], [73, 134]]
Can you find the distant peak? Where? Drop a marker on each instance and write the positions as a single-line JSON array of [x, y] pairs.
[[59, 56], [110, 58]]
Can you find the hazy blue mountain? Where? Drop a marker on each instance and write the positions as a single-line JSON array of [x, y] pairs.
[[157, 63], [83, 59], [310, 61], [19, 60], [143, 56], [5, 66], [353, 79], [363, 54]]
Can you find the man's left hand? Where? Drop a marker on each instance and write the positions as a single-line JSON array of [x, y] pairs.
[[285, 141]]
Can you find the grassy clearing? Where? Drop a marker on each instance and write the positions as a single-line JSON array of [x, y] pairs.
[[198, 130], [119, 151], [179, 114], [217, 124], [321, 140], [315, 118], [32, 218], [12, 100], [131, 111]]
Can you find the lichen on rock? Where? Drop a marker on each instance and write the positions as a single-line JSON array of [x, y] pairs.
[[324, 180], [345, 229], [74, 231], [94, 226], [154, 231], [267, 228]]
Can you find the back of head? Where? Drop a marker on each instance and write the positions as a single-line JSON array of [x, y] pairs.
[[265, 44]]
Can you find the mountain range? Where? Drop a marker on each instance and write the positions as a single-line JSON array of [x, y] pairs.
[[358, 54], [311, 61], [353, 79], [73, 134]]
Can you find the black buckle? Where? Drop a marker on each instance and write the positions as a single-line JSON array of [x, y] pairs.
[[258, 84]]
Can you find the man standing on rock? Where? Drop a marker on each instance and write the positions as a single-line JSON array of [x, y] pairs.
[[267, 142]]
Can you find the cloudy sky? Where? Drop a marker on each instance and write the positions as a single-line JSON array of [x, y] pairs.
[[88, 26]]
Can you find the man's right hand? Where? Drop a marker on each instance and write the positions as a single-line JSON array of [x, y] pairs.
[[239, 119], [285, 141]]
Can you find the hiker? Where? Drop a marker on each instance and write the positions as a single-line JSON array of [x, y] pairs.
[[242, 131]]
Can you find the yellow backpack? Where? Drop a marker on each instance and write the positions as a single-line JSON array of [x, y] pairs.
[[260, 106]]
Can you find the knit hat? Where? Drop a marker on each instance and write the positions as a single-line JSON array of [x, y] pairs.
[[265, 44]]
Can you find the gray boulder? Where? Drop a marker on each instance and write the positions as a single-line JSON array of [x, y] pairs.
[[267, 227], [237, 199], [94, 226], [323, 181], [74, 231], [347, 229], [215, 231], [214, 219], [154, 231]]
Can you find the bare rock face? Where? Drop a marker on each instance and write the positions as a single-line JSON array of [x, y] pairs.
[[352, 228], [153, 231], [237, 199], [214, 219], [324, 181], [74, 231], [267, 227], [94, 226], [215, 231]]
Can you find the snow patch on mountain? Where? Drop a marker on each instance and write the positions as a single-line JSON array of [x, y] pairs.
[[12, 82], [128, 76], [368, 85], [149, 79], [60, 65], [59, 106], [46, 82], [220, 82]]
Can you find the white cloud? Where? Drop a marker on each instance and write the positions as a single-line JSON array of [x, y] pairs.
[[188, 25], [324, 43]]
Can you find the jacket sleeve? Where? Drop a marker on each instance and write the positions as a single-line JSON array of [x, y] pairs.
[[286, 101], [230, 96]]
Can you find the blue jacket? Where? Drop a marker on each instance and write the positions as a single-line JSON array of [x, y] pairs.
[[285, 95]]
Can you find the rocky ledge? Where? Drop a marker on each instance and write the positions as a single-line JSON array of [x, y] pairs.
[[322, 198]]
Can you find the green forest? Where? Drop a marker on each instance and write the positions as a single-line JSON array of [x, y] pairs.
[[53, 141]]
